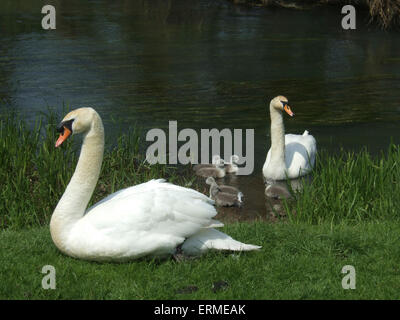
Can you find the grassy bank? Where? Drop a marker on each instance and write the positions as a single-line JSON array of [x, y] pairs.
[[350, 188], [347, 215], [385, 12], [296, 262]]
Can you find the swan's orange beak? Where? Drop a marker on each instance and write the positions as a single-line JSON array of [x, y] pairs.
[[288, 110], [63, 136]]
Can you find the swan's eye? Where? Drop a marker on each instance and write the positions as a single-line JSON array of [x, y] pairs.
[[284, 103], [65, 124]]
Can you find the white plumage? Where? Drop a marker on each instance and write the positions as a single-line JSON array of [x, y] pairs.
[[300, 151]]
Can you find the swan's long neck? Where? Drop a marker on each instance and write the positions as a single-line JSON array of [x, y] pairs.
[[277, 137], [75, 199]]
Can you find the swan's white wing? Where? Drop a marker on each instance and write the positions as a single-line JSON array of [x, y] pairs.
[[149, 219], [127, 191], [300, 152]]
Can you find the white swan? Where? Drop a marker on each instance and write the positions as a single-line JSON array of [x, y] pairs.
[[150, 219], [291, 155]]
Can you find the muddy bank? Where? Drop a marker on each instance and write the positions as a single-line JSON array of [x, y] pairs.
[[386, 13]]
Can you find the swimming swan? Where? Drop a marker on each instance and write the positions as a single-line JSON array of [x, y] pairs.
[[149, 219], [216, 160], [223, 188], [224, 199], [216, 171], [277, 191], [231, 167], [291, 154]]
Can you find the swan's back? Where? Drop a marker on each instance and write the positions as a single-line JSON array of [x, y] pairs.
[[300, 153]]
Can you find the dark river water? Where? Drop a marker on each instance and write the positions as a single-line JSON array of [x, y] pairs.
[[205, 64]]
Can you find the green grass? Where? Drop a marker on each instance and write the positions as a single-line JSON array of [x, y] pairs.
[[296, 262], [350, 188], [347, 215]]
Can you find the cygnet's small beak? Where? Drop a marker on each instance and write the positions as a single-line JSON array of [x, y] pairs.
[[63, 136], [288, 110]]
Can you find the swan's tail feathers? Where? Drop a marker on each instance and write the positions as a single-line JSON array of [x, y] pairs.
[[215, 224], [305, 133], [211, 239]]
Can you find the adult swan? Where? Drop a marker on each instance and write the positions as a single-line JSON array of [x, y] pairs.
[[150, 219], [291, 155]]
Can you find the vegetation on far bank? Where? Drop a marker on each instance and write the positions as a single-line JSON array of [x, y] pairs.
[[385, 12]]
